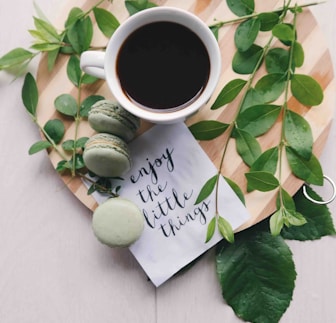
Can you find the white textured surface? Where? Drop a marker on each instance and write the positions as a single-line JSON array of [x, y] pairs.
[[52, 269]]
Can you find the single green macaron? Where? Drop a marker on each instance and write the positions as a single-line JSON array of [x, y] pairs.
[[107, 155], [109, 117], [117, 222]]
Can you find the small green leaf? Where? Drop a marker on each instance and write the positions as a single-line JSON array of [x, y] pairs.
[[267, 161], [225, 229], [271, 86], [246, 33], [294, 218], [15, 57], [74, 15], [262, 181], [246, 62], [207, 189], [208, 129], [306, 90], [63, 165], [228, 93], [284, 199], [66, 104], [74, 71], [29, 94], [276, 222], [80, 35], [283, 32], [298, 54], [79, 162], [89, 79], [86, 105], [298, 134], [241, 7], [47, 30], [55, 130], [138, 5], [256, 274], [319, 220], [308, 170], [46, 47], [252, 98], [259, 119], [268, 20], [80, 142], [277, 60], [247, 147], [211, 229], [68, 145], [39, 146], [236, 189], [106, 21]]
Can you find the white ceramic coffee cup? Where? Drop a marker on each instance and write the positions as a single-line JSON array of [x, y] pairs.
[[103, 64]]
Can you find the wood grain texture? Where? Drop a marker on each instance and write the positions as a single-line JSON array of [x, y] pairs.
[[317, 64]]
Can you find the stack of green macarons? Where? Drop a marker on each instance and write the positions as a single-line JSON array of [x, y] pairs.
[[117, 222], [106, 154]]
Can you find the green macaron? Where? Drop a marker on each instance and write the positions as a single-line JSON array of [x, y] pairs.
[[117, 222], [107, 155], [109, 117]]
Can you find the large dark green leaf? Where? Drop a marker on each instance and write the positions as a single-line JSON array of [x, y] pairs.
[[268, 20], [277, 60], [80, 35], [257, 275], [106, 21], [271, 86], [251, 99], [319, 220], [267, 161], [55, 130], [247, 146], [262, 181]]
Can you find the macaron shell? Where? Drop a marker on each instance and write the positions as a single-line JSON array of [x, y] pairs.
[[117, 222], [107, 155]]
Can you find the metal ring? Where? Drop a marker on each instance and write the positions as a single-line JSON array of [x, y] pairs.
[[321, 202]]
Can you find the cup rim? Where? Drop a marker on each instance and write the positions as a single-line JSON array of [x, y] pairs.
[[171, 14]]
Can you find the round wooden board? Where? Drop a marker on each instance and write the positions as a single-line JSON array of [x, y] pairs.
[[318, 64]]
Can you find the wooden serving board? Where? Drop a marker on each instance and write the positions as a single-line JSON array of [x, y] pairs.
[[318, 64]]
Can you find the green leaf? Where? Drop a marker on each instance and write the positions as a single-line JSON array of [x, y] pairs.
[[87, 104], [285, 200], [294, 218], [241, 7], [319, 219], [271, 86], [47, 30], [39, 146], [268, 20], [277, 222], [251, 99], [236, 189], [80, 35], [80, 142], [208, 129], [68, 145], [283, 32], [66, 104], [298, 54], [307, 170], [89, 79], [211, 229], [225, 229], [63, 165], [55, 130], [228, 93], [79, 162], [262, 181], [298, 134], [29, 94], [306, 90], [106, 21], [259, 119], [15, 57], [215, 30], [246, 62], [246, 33], [46, 47], [267, 161], [74, 15], [74, 71], [277, 60], [247, 147], [257, 275], [139, 5], [207, 189]]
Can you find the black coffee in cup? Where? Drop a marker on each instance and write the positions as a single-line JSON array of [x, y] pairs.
[[163, 65]]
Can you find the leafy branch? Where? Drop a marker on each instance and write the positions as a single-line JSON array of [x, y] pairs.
[[256, 114]]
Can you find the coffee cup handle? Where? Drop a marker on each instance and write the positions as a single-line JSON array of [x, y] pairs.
[[92, 63]]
